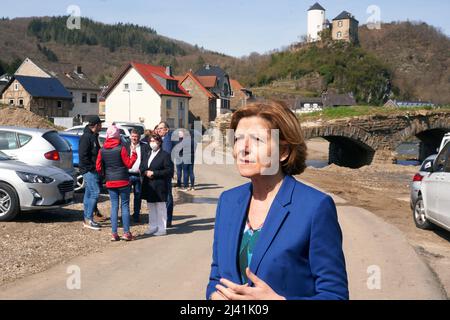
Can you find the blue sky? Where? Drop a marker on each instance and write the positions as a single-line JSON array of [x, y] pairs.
[[234, 27]]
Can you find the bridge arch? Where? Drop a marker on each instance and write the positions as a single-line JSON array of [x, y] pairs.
[[429, 131], [349, 147]]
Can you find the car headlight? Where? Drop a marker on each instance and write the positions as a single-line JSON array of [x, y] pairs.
[[33, 178]]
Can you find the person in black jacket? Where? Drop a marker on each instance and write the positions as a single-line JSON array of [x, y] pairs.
[[88, 151], [156, 168]]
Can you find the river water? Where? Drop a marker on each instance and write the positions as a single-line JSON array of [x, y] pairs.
[[408, 151]]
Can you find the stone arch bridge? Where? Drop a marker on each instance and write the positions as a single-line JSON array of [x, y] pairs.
[[359, 141]]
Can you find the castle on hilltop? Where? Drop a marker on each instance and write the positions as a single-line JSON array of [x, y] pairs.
[[343, 28]]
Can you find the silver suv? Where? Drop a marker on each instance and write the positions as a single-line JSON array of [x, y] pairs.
[[433, 204], [37, 147]]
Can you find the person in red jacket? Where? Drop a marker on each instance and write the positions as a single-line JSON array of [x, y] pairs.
[[113, 162]]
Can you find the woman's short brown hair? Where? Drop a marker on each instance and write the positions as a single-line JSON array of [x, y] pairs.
[[155, 137], [280, 117]]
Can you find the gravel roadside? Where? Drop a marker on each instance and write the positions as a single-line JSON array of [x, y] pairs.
[[36, 241]]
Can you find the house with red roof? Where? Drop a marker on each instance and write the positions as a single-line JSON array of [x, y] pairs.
[[211, 93], [147, 94], [203, 105], [239, 95]]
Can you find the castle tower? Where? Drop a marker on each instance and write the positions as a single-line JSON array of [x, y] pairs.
[[316, 22]]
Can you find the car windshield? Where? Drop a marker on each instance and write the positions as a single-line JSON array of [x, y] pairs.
[[4, 157]]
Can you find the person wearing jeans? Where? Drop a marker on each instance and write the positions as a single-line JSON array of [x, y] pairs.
[[188, 174], [88, 150], [180, 175], [122, 195], [115, 161], [91, 193]]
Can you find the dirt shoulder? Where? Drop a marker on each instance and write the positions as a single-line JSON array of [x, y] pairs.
[[384, 190], [36, 241]]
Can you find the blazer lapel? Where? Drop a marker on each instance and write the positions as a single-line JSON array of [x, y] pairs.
[[239, 215], [155, 160], [277, 214]]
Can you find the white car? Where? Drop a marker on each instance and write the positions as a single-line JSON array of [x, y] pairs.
[[24, 187], [444, 141], [78, 130], [433, 204], [132, 125], [42, 147]]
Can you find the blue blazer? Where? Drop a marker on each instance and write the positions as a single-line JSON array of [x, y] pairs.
[[299, 252]]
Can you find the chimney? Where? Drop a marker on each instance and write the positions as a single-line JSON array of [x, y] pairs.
[[169, 71], [79, 70]]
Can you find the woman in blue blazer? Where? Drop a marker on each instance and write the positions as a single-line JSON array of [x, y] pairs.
[[275, 238]]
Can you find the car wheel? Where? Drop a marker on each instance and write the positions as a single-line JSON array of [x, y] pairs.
[[9, 202], [419, 215], [79, 186]]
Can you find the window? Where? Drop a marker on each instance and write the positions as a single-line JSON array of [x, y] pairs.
[[84, 97], [172, 85], [339, 35], [180, 114], [168, 104], [24, 139], [93, 98], [139, 87], [232, 93], [340, 24], [59, 104], [59, 143], [21, 102], [171, 122], [126, 87], [442, 159], [8, 140], [16, 87], [11, 102]]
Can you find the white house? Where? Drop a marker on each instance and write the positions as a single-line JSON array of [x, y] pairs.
[[85, 94], [316, 22], [147, 94]]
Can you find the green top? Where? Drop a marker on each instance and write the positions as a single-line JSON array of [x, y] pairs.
[[248, 243]]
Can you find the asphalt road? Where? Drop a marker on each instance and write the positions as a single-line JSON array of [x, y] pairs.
[[380, 262]]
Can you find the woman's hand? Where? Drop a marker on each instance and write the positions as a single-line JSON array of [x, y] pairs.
[[149, 173], [260, 291]]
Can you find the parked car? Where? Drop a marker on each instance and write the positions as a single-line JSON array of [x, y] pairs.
[[425, 169], [132, 125], [433, 203], [24, 187], [74, 141], [444, 141], [37, 147], [80, 129]]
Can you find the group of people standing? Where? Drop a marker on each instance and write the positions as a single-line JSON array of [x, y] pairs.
[[143, 166]]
